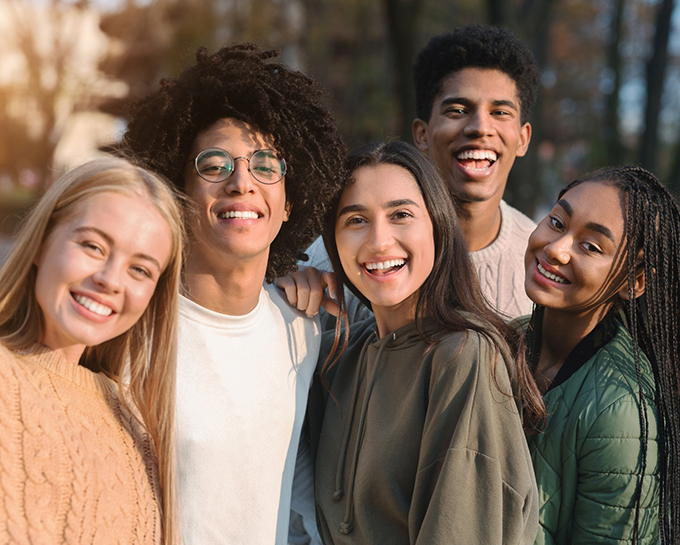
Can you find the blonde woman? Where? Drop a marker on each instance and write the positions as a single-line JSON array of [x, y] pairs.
[[88, 295]]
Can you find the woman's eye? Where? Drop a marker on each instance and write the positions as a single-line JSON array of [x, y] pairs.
[[590, 247], [141, 271], [92, 246], [556, 223], [355, 220], [402, 215]]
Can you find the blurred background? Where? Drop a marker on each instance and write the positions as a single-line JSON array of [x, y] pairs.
[[69, 70]]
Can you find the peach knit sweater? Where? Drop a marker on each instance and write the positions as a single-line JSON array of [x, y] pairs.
[[75, 466]]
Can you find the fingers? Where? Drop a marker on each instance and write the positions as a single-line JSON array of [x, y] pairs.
[[287, 284], [330, 306]]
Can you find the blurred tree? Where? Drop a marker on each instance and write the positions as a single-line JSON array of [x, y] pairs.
[[402, 23], [656, 72], [612, 131], [50, 56]]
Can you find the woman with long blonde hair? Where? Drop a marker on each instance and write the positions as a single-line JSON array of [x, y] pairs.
[[88, 305]]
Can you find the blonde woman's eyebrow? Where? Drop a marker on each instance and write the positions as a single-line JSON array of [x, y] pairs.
[[109, 240]]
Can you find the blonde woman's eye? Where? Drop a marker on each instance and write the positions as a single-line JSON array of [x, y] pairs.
[[92, 246], [142, 271]]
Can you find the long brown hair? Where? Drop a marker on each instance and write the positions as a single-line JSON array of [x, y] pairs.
[[451, 287], [146, 353]]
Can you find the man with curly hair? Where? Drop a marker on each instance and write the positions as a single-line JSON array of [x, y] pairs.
[[475, 88], [249, 144]]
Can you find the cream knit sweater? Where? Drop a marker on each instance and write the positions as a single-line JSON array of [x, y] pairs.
[[75, 466]]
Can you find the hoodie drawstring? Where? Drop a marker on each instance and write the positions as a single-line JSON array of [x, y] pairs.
[[347, 523]]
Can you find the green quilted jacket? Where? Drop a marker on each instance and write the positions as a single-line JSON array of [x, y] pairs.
[[588, 460]]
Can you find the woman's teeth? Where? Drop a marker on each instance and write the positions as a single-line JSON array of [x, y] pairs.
[[92, 306], [238, 214], [385, 264], [549, 275]]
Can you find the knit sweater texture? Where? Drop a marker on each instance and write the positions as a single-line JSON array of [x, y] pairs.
[[499, 266], [75, 466], [422, 447]]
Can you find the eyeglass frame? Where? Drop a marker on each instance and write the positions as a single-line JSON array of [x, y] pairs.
[[234, 159]]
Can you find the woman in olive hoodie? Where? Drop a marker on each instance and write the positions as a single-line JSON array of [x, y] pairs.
[[418, 435], [607, 466]]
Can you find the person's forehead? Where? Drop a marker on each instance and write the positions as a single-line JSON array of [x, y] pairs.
[[228, 132], [478, 84]]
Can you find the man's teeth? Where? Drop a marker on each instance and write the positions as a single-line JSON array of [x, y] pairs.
[[385, 264], [477, 155], [238, 214], [552, 276], [92, 306]]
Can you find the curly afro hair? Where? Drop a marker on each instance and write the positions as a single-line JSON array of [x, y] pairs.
[[474, 46], [238, 82]]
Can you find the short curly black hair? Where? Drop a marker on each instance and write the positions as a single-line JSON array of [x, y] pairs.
[[238, 82], [474, 46]]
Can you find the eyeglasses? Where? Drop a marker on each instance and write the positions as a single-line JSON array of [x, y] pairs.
[[215, 165]]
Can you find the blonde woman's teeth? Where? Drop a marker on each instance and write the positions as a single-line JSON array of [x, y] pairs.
[[92, 306]]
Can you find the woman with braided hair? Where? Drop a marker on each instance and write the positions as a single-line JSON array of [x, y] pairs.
[[605, 359]]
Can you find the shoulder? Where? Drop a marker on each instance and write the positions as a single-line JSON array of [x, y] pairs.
[[605, 389], [469, 353], [318, 257], [359, 332], [285, 310], [614, 368], [14, 368]]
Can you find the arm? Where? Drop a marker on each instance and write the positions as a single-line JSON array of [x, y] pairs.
[[475, 482]]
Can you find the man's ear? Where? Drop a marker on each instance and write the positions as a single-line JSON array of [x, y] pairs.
[[419, 130], [287, 210], [639, 286], [524, 139]]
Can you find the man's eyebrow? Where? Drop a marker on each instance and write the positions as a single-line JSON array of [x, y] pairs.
[[467, 102], [592, 226], [110, 242], [385, 206]]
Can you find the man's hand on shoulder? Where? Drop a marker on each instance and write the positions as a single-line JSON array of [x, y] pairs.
[[306, 290]]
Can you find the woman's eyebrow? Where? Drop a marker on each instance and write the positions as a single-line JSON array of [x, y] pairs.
[[592, 226], [599, 228], [109, 240], [385, 206]]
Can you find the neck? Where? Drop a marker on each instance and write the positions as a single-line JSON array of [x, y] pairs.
[[70, 353], [480, 222], [230, 287], [392, 318], [561, 333]]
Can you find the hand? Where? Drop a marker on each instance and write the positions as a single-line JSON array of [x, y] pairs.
[[306, 290]]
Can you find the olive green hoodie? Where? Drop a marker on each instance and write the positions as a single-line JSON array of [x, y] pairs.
[[422, 445]]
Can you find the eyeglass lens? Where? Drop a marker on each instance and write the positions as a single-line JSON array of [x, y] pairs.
[[216, 165]]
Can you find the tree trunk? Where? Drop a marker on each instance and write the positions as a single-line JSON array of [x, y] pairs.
[[656, 71], [524, 188], [615, 149], [402, 22]]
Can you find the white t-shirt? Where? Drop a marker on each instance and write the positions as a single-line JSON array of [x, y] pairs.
[[242, 386]]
